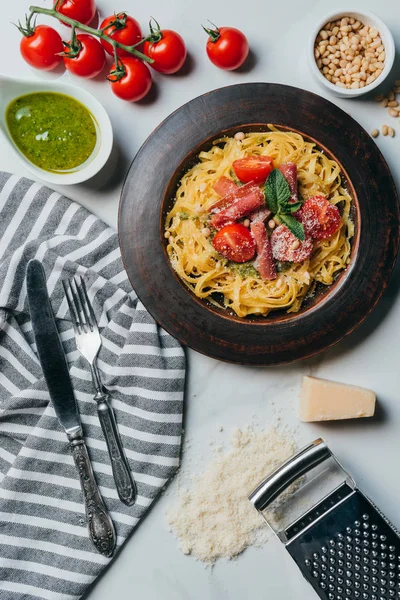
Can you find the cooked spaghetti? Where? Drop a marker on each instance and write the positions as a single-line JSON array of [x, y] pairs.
[[239, 287]]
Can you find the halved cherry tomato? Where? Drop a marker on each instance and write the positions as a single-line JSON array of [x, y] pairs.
[[253, 168], [320, 218], [287, 248], [90, 57], [235, 242], [121, 28], [134, 84], [80, 10], [166, 48], [227, 47], [41, 47]]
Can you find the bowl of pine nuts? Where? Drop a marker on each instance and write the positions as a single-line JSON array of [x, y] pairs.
[[351, 53]]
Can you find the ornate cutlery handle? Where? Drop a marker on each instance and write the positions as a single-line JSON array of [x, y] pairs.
[[101, 528], [126, 487]]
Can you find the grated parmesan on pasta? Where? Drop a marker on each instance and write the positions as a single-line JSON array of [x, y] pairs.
[[213, 518]]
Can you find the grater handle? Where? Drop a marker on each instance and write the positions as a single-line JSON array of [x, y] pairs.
[[296, 466]]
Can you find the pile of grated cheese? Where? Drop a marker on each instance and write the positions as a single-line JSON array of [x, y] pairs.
[[213, 518]]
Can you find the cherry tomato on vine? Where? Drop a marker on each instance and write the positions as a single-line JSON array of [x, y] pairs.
[[40, 47], [166, 48], [130, 79], [84, 56], [227, 47], [122, 28], [80, 10]]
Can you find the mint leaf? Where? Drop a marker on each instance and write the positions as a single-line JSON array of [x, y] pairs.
[[277, 191], [294, 207], [294, 226]]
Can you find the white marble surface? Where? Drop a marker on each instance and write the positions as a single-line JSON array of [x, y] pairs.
[[150, 565]]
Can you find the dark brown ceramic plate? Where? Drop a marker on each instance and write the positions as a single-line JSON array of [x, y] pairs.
[[149, 188]]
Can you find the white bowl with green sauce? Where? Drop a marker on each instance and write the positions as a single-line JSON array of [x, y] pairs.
[[61, 132]]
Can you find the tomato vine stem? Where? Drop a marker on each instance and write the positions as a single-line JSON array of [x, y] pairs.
[[34, 10]]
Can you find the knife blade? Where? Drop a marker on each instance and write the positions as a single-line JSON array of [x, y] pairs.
[[55, 370]]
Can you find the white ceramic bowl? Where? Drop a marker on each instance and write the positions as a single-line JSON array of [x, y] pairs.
[[12, 88], [367, 19]]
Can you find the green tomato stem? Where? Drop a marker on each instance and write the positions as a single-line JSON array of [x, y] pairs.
[[95, 32]]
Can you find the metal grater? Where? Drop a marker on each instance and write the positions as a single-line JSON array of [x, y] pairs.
[[344, 546]]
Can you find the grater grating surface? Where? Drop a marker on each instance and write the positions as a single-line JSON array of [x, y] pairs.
[[344, 546]]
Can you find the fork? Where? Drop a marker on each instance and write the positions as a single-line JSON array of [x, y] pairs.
[[88, 342]]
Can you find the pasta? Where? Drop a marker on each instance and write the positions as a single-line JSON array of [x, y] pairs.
[[239, 287]]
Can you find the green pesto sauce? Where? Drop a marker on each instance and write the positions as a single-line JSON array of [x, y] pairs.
[[54, 131], [246, 269]]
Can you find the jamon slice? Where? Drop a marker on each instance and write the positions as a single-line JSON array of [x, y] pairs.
[[260, 215], [238, 192], [264, 262], [246, 201], [225, 186], [287, 248], [289, 171]]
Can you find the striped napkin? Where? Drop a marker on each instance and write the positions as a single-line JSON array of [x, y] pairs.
[[45, 551]]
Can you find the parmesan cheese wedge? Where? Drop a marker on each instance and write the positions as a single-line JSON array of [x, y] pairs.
[[323, 400]]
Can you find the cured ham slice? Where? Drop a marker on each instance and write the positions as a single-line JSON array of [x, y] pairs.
[[264, 262], [246, 201], [289, 171], [286, 246], [260, 215], [238, 192], [225, 186]]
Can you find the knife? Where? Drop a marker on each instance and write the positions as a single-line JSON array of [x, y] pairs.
[[56, 374]]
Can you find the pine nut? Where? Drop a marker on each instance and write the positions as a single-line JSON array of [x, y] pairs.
[[393, 103], [167, 234], [323, 34], [202, 187], [385, 129], [246, 222], [295, 245], [375, 133], [271, 223], [378, 98], [396, 89], [393, 112], [390, 96], [239, 136], [384, 102], [206, 232], [391, 131]]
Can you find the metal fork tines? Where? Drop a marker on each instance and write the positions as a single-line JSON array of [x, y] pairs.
[[88, 342]]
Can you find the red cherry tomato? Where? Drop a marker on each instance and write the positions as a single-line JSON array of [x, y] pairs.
[[286, 246], [320, 218], [227, 47], [89, 60], [253, 168], [80, 10], [235, 242], [40, 49], [134, 84], [121, 28], [166, 48]]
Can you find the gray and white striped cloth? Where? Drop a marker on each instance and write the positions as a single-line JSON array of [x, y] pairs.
[[45, 551]]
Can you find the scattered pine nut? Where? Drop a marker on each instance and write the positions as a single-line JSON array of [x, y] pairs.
[[393, 112], [239, 136], [167, 234], [279, 283], [385, 129], [384, 102], [393, 103], [375, 133], [391, 131], [379, 98], [246, 222], [295, 245], [390, 96], [271, 223], [206, 232]]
